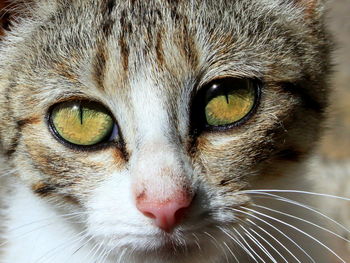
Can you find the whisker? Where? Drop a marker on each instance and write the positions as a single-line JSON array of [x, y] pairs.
[[279, 231], [100, 254], [68, 216], [251, 223], [295, 192], [216, 243], [276, 250], [100, 246], [27, 233], [251, 249], [299, 230], [105, 254], [258, 243], [36, 228], [235, 240], [95, 248], [296, 203], [227, 260], [74, 239], [122, 255], [197, 241], [213, 239], [231, 252], [303, 220]]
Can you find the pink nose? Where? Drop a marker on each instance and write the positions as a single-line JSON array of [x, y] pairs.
[[166, 214]]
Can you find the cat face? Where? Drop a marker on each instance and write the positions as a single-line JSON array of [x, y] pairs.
[[150, 117]]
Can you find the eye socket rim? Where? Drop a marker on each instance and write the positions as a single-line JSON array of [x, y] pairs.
[[105, 143], [201, 99]]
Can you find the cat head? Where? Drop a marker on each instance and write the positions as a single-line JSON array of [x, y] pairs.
[[152, 118]]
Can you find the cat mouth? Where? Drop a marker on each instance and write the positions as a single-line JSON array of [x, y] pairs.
[[174, 247], [169, 248], [176, 243]]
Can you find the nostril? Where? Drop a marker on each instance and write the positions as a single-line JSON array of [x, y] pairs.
[[180, 214], [149, 214]]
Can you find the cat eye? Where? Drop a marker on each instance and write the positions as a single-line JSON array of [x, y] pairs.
[[82, 123], [228, 102]]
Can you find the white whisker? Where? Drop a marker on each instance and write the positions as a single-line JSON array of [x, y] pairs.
[[74, 239], [65, 216], [235, 240], [197, 241], [257, 234], [295, 192], [303, 220], [258, 243], [279, 231], [28, 232], [216, 243], [93, 250], [100, 254], [299, 230], [122, 255], [231, 252], [248, 246], [296, 203]]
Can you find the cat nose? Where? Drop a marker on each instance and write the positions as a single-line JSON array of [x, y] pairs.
[[166, 214]]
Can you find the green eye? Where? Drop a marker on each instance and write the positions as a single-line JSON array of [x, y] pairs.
[[229, 101], [82, 123]]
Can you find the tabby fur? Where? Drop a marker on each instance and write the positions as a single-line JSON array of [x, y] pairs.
[[145, 61]]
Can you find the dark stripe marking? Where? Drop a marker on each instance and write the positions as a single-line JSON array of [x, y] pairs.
[[100, 65], [124, 49], [107, 27], [43, 189], [290, 154], [108, 20], [309, 102], [190, 51], [15, 140], [159, 48], [124, 52], [110, 6]]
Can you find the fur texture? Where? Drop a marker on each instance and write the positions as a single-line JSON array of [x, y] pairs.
[[145, 61]]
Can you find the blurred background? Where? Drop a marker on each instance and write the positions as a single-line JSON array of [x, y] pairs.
[[336, 143], [333, 172]]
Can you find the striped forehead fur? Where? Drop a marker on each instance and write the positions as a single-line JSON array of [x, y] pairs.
[[238, 54]]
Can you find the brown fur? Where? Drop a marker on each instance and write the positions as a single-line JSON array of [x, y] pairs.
[[114, 45]]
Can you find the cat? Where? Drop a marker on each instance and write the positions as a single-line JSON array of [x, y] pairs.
[[146, 131]]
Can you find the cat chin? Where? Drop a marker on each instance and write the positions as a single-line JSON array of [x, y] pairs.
[[194, 257], [178, 246], [166, 250], [170, 258]]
